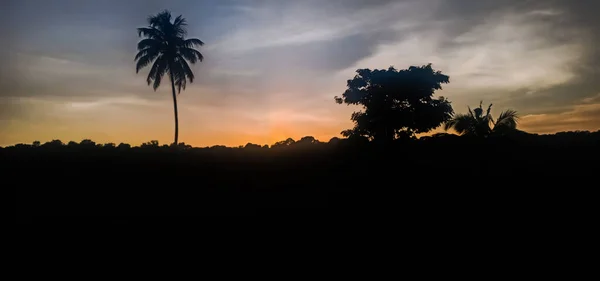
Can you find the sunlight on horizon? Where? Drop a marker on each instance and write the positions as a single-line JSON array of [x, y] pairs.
[[69, 74]]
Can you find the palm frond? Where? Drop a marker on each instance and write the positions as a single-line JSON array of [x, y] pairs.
[[179, 21], [179, 27], [186, 71], [151, 32], [179, 31], [192, 42], [181, 83], [508, 119], [145, 59], [160, 18], [461, 123], [146, 52], [162, 69], [464, 124], [191, 55], [148, 43], [158, 70], [154, 69], [181, 73]]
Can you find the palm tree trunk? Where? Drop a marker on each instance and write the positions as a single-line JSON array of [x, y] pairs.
[[175, 108]]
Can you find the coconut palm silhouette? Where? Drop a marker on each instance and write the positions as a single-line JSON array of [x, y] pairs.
[[166, 48]]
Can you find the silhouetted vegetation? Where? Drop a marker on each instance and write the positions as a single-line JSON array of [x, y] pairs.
[[490, 170], [397, 102], [165, 45], [477, 124], [439, 175]]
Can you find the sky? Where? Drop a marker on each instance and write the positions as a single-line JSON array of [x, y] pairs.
[[272, 68]]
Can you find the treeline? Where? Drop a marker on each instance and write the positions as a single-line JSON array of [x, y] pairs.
[[519, 137], [440, 175]]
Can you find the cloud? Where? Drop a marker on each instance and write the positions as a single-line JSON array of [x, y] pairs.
[[265, 26], [528, 58], [505, 53], [26, 108], [593, 99], [109, 102], [545, 12], [585, 115], [579, 117], [53, 67], [273, 66], [60, 78]]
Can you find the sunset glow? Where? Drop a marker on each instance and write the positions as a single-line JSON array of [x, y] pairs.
[[272, 68]]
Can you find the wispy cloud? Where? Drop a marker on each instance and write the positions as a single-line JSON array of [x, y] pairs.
[[265, 27], [545, 12], [579, 117], [111, 101], [585, 115], [593, 99], [48, 66]]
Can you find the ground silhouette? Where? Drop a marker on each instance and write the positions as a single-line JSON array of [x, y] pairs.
[[439, 175]]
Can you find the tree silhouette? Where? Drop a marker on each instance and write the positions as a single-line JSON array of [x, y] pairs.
[[283, 143], [396, 102], [110, 145], [87, 143], [476, 123], [124, 146], [152, 143], [53, 144], [307, 140], [164, 44], [252, 146]]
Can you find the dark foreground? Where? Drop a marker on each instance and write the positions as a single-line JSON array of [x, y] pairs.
[[526, 179]]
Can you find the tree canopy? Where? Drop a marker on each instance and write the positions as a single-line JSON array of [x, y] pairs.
[[396, 102], [166, 48]]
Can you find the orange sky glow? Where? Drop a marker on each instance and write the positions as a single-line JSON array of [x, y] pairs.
[[69, 73]]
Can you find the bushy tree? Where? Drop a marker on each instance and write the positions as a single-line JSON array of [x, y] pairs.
[[396, 102]]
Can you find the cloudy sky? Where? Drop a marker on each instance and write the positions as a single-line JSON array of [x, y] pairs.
[[272, 68]]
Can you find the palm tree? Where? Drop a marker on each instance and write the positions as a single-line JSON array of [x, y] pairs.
[[476, 123], [166, 48]]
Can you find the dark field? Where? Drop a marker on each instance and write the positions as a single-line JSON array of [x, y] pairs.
[[524, 178]]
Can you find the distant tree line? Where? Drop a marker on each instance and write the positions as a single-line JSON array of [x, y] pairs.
[[311, 142]]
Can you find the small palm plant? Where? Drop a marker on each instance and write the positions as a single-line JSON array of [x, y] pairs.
[[476, 123]]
